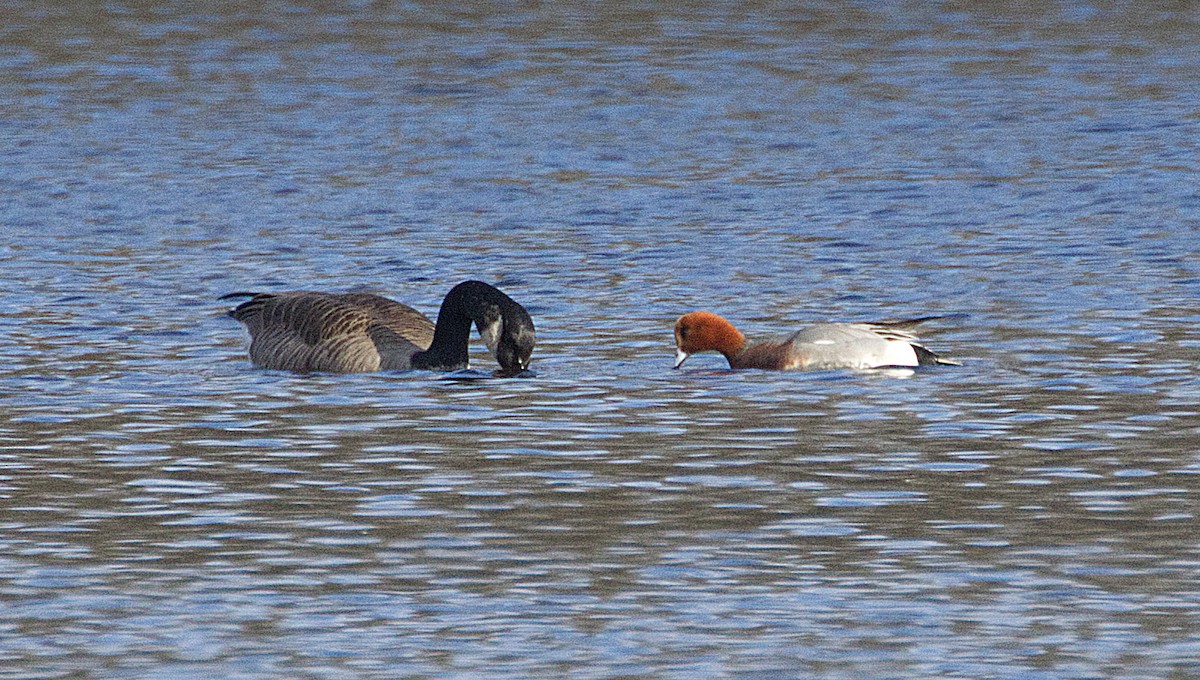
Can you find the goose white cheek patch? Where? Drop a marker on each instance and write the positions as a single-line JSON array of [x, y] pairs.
[[491, 334]]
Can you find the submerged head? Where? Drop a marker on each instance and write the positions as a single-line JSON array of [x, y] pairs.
[[705, 331], [514, 347], [505, 326]]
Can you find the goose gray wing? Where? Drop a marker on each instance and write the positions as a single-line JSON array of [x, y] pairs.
[[307, 331], [401, 319]]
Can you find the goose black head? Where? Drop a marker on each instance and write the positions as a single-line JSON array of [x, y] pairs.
[[514, 347], [504, 325]]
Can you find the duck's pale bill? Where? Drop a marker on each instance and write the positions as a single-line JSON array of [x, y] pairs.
[[680, 357]]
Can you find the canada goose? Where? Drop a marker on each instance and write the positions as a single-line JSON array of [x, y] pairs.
[[308, 331]]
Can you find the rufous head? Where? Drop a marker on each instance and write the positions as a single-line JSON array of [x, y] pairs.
[[705, 331]]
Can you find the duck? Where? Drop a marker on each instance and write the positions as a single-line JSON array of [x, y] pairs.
[[309, 331], [819, 347]]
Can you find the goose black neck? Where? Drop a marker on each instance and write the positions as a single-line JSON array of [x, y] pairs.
[[469, 301]]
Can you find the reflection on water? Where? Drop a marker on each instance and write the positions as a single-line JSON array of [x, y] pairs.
[[168, 510]]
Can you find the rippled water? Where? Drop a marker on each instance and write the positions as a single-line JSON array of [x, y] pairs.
[[166, 510]]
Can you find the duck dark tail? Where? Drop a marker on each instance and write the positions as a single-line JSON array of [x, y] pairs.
[[927, 358]]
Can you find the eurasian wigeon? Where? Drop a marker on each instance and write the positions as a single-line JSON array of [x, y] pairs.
[[823, 346]]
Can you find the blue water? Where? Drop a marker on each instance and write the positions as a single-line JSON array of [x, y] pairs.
[[166, 510]]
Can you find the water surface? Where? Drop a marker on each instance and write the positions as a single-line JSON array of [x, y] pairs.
[[166, 510]]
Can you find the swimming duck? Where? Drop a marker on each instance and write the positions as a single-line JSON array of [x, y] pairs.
[[306, 331], [823, 346]]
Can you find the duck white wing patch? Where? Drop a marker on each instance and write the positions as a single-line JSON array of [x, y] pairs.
[[898, 353]]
